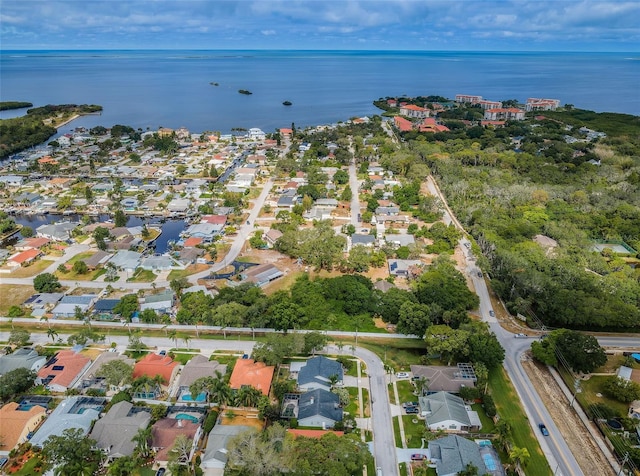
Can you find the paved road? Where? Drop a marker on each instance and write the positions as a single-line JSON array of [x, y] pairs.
[[355, 199]]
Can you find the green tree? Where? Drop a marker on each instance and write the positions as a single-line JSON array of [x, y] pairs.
[[449, 343], [72, 453], [314, 342], [582, 352], [51, 333], [178, 284], [123, 466], [15, 382], [46, 283], [625, 391], [119, 218], [414, 318], [100, 234], [127, 305], [116, 373], [80, 267], [142, 439], [19, 337], [27, 231]]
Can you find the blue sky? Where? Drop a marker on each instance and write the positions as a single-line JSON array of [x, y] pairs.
[[520, 25]]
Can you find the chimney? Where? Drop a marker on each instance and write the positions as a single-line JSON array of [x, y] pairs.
[[311, 400], [179, 423]]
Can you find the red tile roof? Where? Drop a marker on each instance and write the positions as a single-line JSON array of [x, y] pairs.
[[164, 433], [25, 256], [192, 241], [37, 242], [214, 219], [256, 374], [313, 433], [403, 124], [155, 364]]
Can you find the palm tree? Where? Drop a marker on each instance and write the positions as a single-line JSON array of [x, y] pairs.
[[164, 328], [173, 335], [519, 456], [220, 392], [53, 334], [186, 338], [142, 440], [46, 319], [422, 385]]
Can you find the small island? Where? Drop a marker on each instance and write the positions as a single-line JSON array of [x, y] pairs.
[[244, 91], [286, 103], [7, 105]]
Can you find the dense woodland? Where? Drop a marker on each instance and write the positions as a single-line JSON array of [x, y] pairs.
[[20, 133]]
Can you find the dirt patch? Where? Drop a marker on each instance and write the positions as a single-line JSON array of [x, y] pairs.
[[584, 448]]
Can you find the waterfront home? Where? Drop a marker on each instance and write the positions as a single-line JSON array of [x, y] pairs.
[[155, 364], [179, 205], [205, 231], [158, 263], [319, 409], [115, 431], [161, 302], [411, 110], [72, 412], [447, 412], [539, 104], [35, 242], [60, 231], [23, 358], [62, 371], [17, 422], [248, 372], [190, 255], [213, 220]]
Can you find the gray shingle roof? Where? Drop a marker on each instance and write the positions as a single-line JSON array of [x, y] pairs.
[[319, 402], [318, 370], [25, 357], [443, 406], [114, 431], [453, 453]]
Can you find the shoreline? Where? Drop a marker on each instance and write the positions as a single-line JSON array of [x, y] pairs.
[[64, 123]]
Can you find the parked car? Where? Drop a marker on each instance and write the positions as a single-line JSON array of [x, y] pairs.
[[410, 404], [491, 313], [162, 352], [402, 374], [161, 472], [412, 410], [520, 335], [543, 429], [479, 274], [3, 461], [418, 457]]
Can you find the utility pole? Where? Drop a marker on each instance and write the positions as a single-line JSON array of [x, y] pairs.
[[624, 461]]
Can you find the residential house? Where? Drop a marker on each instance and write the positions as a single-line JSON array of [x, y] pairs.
[[23, 358], [17, 421], [115, 431], [27, 199], [199, 366], [465, 98], [248, 372], [94, 378], [43, 300], [403, 124], [272, 236], [12, 180], [443, 378], [187, 256], [24, 258], [155, 364], [287, 202], [126, 260], [215, 455], [164, 433], [361, 240], [103, 308], [97, 259], [67, 306], [317, 372], [161, 302], [179, 205], [404, 267], [63, 370], [72, 412], [399, 239], [319, 408], [158, 263], [261, 274], [35, 242], [445, 411], [57, 231], [192, 242], [214, 219], [453, 453], [205, 231]]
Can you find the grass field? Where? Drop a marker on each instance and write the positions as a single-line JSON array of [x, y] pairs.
[[508, 405], [405, 391], [188, 271], [400, 356], [13, 295], [413, 431], [31, 270], [142, 276]]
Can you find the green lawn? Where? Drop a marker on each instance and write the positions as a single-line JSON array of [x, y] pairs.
[[183, 358], [590, 388], [403, 469], [396, 432], [142, 276], [400, 355], [508, 405], [365, 402], [405, 391], [487, 423], [352, 408], [413, 431]]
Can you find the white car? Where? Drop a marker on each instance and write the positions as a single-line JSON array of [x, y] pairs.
[[402, 375], [520, 335]]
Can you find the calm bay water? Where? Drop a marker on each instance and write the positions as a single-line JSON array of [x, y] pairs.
[[172, 88]]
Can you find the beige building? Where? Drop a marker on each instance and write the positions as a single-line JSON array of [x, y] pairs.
[[16, 422]]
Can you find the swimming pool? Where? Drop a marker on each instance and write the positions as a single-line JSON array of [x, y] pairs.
[[184, 416], [489, 462], [186, 397]]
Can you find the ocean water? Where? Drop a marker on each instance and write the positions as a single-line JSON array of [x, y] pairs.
[[149, 89]]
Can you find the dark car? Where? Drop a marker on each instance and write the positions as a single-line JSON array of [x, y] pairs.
[[411, 410], [479, 274], [418, 457], [492, 314], [161, 472], [3, 461], [543, 429]]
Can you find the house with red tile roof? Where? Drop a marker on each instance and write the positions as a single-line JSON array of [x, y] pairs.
[[403, 124], [35, 242], [155, 364], [538, 104], [192, 241], [63, 370], [214, 219], [23, 258], [248, 372]]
